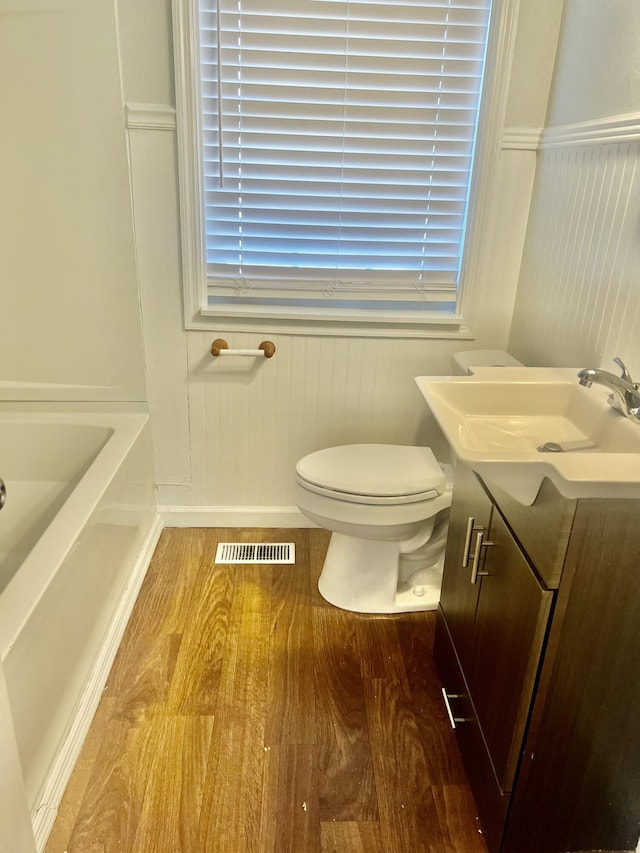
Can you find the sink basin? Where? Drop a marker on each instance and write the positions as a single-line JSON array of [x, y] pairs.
[[497, 419]]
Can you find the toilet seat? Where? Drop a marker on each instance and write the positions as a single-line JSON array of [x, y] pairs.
[[370, 500], [374, 474]]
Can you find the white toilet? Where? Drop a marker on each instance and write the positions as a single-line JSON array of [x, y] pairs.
[[387, 506]]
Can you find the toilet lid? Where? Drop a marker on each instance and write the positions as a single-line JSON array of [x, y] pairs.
[[373, 469]]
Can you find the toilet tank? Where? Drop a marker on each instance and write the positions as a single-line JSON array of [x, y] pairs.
[[462, 363]]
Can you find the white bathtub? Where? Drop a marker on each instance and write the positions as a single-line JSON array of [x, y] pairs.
[[79, 517]]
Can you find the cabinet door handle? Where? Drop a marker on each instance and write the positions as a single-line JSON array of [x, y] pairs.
[[475, 562], [453, 720], [467, 541]]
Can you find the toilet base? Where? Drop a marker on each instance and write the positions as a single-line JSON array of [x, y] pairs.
[[362, 575]]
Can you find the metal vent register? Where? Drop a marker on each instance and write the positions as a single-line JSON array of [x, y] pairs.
[[253, 552]]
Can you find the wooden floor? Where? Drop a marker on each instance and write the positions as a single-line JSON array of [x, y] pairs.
[[244, 713]]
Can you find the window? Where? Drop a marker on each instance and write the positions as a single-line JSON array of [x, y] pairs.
[[334, 144]]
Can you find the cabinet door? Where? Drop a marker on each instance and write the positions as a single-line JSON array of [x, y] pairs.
[[470, 512], [510, 626]]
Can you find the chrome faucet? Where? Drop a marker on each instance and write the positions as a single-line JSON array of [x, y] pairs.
[[625, 396]]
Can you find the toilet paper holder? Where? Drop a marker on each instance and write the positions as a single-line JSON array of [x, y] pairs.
[[266, 349]]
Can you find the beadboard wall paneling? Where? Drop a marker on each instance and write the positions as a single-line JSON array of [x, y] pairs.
[[578, 300], [251, 419]]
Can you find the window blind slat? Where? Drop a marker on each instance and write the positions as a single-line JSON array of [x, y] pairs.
[[314, 218], [294, 58], [406, 162], [318, 196], [311, 138], [374, 281], [331, 259], [404, 118], [344, 144]]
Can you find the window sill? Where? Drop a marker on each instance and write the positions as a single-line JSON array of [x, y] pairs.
[[335, 322]]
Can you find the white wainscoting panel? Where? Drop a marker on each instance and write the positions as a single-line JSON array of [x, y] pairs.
[[252, 419], [578, 301], [155, 205]]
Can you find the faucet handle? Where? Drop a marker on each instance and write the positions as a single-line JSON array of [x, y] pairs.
[[625, 373]]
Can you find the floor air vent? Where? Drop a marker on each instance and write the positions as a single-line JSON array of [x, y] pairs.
[[253, 552]]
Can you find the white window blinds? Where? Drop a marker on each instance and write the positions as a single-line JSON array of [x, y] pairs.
[[338, 142]]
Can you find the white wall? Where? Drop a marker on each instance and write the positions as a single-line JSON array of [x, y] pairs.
[[598, 70], [533, 62], [70, 319], [578, 300], [228, 435]]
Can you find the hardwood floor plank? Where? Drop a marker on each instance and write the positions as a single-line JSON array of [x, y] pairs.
[[268, 811], [163, 601], [231, 810], [416, 634], [291, 694], [408, 817], [351, 837], [459, 820], [196, 678], [347, 788], [73, 797], [380, 651], [175, 764], [297, 827], [141, 676], [243, 685], [108, 818], [231, 815]]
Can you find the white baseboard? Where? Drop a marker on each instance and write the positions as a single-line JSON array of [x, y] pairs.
[[233, 516], [62, 767]]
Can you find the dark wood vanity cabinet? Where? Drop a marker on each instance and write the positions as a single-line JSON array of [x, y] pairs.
[[538, 649]]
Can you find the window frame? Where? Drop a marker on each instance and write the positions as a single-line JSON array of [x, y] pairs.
[[439, 321]]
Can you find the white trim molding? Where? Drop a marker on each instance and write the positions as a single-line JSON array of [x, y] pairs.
[[65, 761], [150, 117], [493, 110], [521, 138], [233, 516], [345, 322], [623, 128], [186, 52]]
